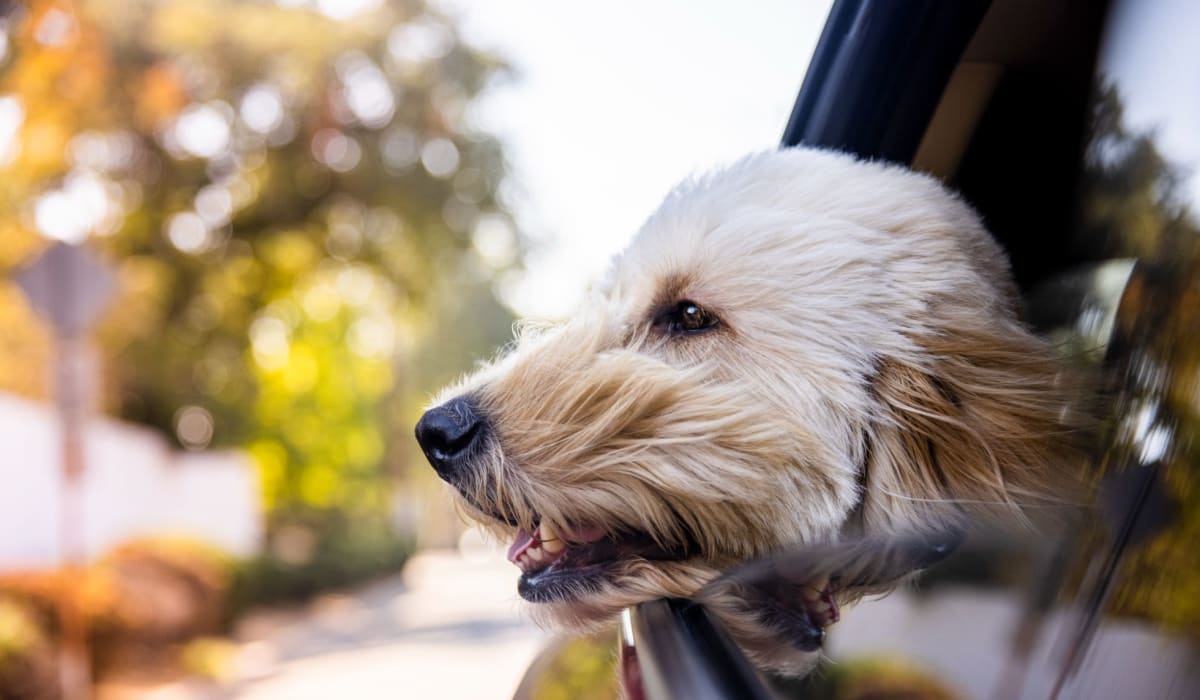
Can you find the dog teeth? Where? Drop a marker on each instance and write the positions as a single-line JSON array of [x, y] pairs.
[[551, 539], [813, 591], [547, 546], [533, 558]]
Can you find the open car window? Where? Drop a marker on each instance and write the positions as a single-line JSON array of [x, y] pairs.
[[1070, 128]]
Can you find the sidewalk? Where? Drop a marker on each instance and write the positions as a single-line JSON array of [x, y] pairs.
[[449, 627]]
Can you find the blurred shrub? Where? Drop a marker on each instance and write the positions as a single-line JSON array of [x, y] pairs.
[[582, 668], [137, 602], [294, 570], [163, 592], [160, 602], [208, 657], [27, 663]]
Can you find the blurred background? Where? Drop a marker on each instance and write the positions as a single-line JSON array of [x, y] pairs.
[[241, 243]]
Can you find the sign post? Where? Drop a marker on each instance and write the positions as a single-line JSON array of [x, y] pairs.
[[69, 287]]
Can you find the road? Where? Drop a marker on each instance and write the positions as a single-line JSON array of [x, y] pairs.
[[448, 627]]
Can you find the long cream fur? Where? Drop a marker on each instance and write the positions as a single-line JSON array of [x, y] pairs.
[[869, 376]]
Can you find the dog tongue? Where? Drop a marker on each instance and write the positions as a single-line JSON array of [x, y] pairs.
[[521, 542], [524, 540]]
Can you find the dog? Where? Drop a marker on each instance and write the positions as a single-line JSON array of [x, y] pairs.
[[797, 349]]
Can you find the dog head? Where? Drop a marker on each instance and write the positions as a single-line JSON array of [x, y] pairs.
[[792, 349]]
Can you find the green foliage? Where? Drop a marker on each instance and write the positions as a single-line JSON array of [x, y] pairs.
[[341, 556], [211, 658], [27, 661], [19, 632], [583, 668], [287, 193], [1133, 205]]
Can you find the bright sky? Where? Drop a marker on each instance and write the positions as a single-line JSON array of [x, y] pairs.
[[616, 102], [1152, 44]]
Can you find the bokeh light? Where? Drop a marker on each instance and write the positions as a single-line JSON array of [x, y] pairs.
[[194, 427], [84, 204], [440, 157]]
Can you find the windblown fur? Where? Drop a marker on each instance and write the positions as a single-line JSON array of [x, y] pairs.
[[868, 376]]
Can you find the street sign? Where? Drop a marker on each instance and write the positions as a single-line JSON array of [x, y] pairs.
[[69, 286]]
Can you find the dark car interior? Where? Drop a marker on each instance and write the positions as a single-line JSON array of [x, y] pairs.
[[975, 93]]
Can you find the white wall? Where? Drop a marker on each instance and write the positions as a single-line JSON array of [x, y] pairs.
[[134, 485]]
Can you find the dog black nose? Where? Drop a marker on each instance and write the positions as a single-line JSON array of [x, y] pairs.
[[447, 433]]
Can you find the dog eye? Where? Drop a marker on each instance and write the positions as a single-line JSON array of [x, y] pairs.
[[688, 317]]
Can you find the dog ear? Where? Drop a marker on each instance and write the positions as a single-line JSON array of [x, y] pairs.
[[981, 421]]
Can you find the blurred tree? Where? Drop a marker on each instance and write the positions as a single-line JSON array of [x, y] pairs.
[[283, 186], [1133, 204]]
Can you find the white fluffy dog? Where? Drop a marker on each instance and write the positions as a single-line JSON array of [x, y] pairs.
[[796, 349]]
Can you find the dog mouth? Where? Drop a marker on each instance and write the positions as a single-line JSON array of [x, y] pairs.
[[558, 564]]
